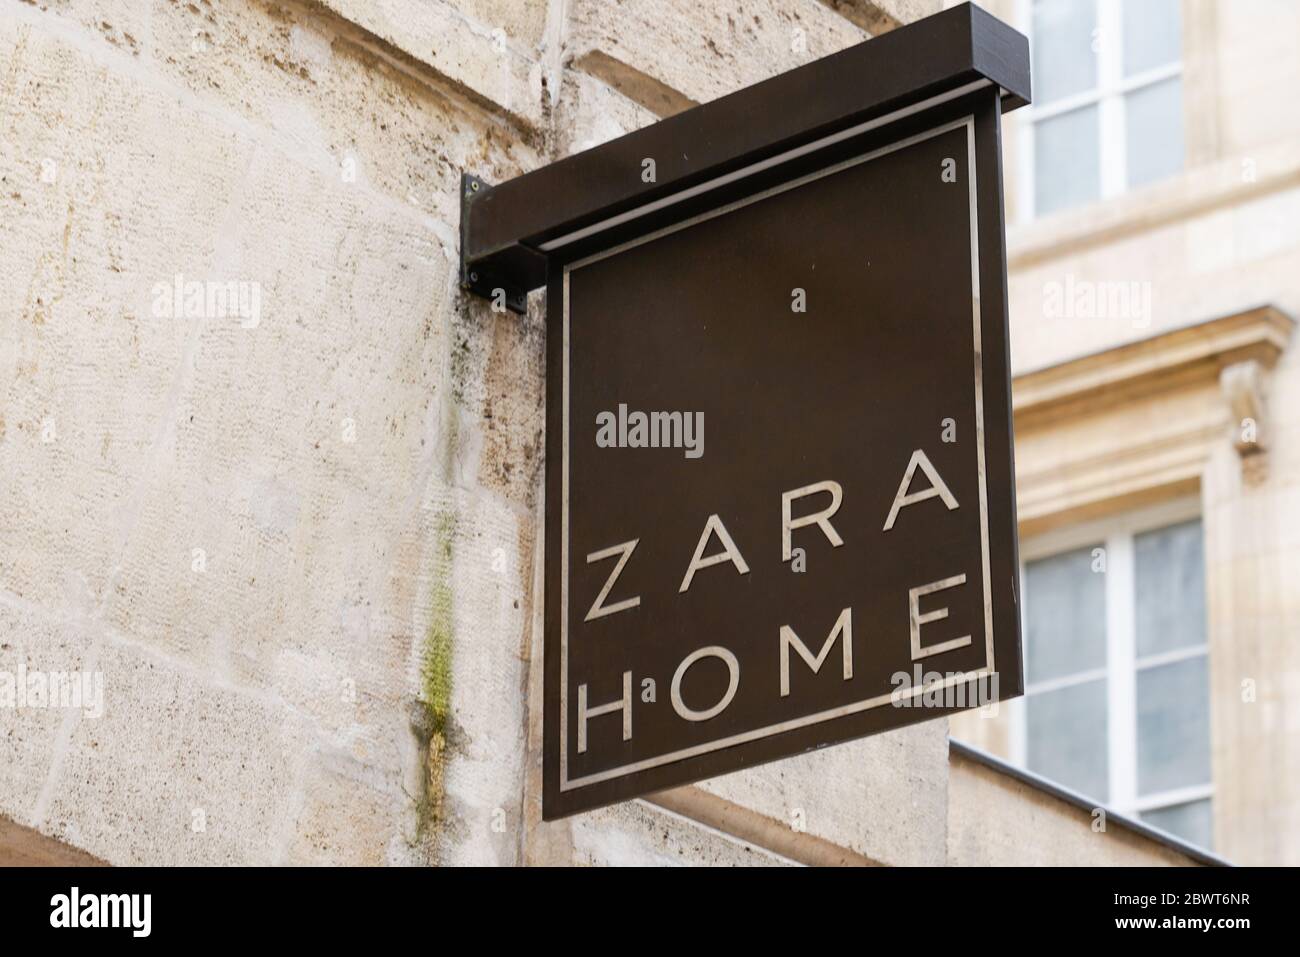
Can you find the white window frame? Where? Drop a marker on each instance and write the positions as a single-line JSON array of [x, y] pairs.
[[1116, 536], [1112, 86]]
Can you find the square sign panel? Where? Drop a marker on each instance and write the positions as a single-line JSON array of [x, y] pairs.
[[779, 477]]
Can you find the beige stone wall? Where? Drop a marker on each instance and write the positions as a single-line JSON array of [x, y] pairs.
[[274, 538], [997, 821], [1216, 240]]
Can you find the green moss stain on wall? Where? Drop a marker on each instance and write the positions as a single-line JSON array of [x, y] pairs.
[[434, 726], [436, 667]]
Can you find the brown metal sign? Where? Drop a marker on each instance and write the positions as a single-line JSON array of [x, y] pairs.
[[780, 508], [779, 487]]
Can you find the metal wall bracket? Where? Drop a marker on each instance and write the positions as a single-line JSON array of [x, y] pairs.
[[479, 278]]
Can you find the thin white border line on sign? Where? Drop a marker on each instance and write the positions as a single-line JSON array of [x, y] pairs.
[[979, 391], [844, 710], [564, 550]]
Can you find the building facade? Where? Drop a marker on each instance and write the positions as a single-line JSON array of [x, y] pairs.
[[1152, 190], [271, 482]]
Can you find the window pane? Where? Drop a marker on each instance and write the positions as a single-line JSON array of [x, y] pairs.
[[1063, 61], [1154, 120], [1153, 34], [1169, 586], [1173, 714], [1192, 821], [1065, 616], [1067, 168], [1067, 736]]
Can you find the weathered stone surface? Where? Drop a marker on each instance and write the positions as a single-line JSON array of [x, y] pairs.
[[244, 514], [881, 16], [884, 797], [32, 640], [178, 769], [635, 834], [487, 48], [717, 47]]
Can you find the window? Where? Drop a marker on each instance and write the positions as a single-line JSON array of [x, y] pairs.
[[1108, 100], [1117, 670]]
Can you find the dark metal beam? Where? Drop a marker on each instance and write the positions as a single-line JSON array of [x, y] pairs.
[[511, 231]]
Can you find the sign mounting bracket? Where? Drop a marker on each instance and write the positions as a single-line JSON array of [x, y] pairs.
[[481, 278]]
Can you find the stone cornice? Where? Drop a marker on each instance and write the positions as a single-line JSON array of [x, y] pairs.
[[1179, 357], [1138, 423]]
